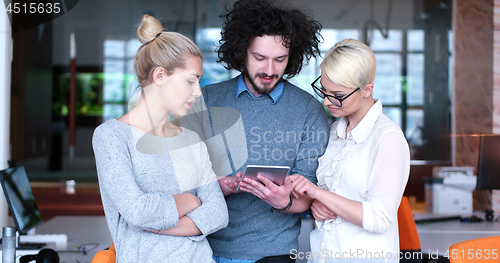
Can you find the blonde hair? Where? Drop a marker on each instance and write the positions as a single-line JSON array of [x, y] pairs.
[[350, 63], [160, 49]]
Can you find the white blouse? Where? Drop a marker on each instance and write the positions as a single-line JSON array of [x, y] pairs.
[[370, 164]]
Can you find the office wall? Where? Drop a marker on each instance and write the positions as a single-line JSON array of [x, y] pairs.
[[496, 88], [473, 77], [496, 67], [476, 81]]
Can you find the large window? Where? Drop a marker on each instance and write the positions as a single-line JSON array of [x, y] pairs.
[[399, 83], [207, 39], [119, 78]]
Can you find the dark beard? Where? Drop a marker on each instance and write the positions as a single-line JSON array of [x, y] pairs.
[[261, 90]]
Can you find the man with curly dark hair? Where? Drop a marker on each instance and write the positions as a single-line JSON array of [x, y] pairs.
[[249, 19], [282, 124]]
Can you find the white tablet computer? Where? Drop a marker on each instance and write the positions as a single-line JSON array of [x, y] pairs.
[[276, 174]]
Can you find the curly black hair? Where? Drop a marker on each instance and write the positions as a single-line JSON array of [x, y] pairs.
[[254, 18]]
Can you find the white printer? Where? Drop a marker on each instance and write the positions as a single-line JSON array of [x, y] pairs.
[[450, 190]]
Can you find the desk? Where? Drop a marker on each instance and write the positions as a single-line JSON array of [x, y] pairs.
[[439, 236], [80, 230], [434, 237]]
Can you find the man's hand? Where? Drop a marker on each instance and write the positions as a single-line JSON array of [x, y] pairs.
[[274, 195], [320, 212]]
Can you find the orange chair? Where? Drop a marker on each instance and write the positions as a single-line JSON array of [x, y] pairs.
[[105, 256], [409, 243], [480, 250]]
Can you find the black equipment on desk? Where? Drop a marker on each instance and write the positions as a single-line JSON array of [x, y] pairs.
[[437, 219], [471, 219], [488, 167], [22, 205], [489, 215], [19, 195], [45, 255]]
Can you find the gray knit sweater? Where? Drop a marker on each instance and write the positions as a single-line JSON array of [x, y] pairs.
[[138, 176], [248, 130]]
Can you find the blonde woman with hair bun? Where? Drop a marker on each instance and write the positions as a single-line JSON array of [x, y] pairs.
[[364, 171], [159, 192]]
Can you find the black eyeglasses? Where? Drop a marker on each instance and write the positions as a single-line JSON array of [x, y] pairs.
[[334, 100]]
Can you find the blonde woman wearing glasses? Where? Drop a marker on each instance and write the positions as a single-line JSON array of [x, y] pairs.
[[364, 171]]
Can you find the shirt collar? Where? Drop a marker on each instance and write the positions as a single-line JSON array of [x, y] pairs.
[[364, 127], [275, 94]]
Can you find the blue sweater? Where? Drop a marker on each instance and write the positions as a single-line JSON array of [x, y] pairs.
[[239, 132]]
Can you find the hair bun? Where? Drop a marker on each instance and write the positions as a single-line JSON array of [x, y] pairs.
[[148, 29]]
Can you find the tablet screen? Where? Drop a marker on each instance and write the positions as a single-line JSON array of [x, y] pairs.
[[277, 174]]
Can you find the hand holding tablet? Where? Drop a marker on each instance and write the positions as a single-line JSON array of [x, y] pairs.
[[277, 174]]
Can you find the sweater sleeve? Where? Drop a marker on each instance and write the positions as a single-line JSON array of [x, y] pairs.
[[313, 142], [212, 215], [387, 181], [117, 184]]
